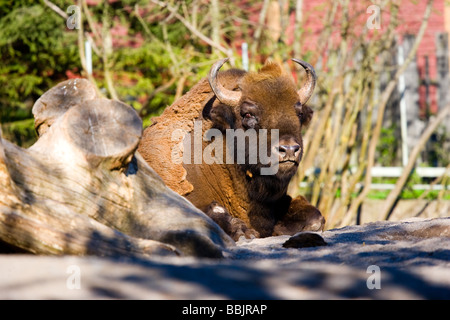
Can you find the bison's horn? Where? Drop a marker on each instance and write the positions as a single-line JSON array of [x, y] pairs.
[[307, 90], [224, 95]]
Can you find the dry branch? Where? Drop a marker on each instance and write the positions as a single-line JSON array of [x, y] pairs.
[[192, 28], [393, 195], [383, 102], [57, 9]]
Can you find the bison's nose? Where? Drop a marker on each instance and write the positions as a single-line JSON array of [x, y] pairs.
[[288, 152]]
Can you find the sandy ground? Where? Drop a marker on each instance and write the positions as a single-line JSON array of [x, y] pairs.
[[381, 260]]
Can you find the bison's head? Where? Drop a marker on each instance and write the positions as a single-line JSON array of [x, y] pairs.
[[267, 99]]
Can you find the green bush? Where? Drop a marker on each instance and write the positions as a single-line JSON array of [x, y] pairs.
[[35, 53]]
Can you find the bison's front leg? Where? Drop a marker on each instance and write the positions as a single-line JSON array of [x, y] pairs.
[[301, 216], [232, 226]]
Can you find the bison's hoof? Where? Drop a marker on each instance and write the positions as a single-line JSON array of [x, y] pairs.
[[315, 222], [232, 226], [301, 216], [239, 229]]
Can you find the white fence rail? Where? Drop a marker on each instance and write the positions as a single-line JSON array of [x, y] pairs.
[[395, 172]]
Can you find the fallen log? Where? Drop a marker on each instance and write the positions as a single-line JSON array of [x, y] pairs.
[[83, 189]]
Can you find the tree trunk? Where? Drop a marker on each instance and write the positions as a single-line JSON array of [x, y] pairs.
[[81, 188]]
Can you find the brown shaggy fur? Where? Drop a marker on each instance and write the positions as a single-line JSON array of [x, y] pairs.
[[260, 202]]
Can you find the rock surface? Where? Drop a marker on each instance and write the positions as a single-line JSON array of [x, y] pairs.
[[413, 258]]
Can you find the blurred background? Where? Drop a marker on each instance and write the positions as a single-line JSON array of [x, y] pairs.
[[379, 143]]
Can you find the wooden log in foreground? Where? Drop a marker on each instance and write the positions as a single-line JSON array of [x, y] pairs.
[[82, 188]]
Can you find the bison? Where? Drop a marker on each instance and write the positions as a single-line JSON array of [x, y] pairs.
[[236, 194]]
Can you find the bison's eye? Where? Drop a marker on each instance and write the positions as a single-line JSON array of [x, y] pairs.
[[299, 111], [249, 121], [250, 114], [304, 113]]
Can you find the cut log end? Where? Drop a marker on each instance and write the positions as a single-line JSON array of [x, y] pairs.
[[105, 131], [56, 101]]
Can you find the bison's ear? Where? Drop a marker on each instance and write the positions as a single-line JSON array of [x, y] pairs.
[[220, 114], [306, 115]]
